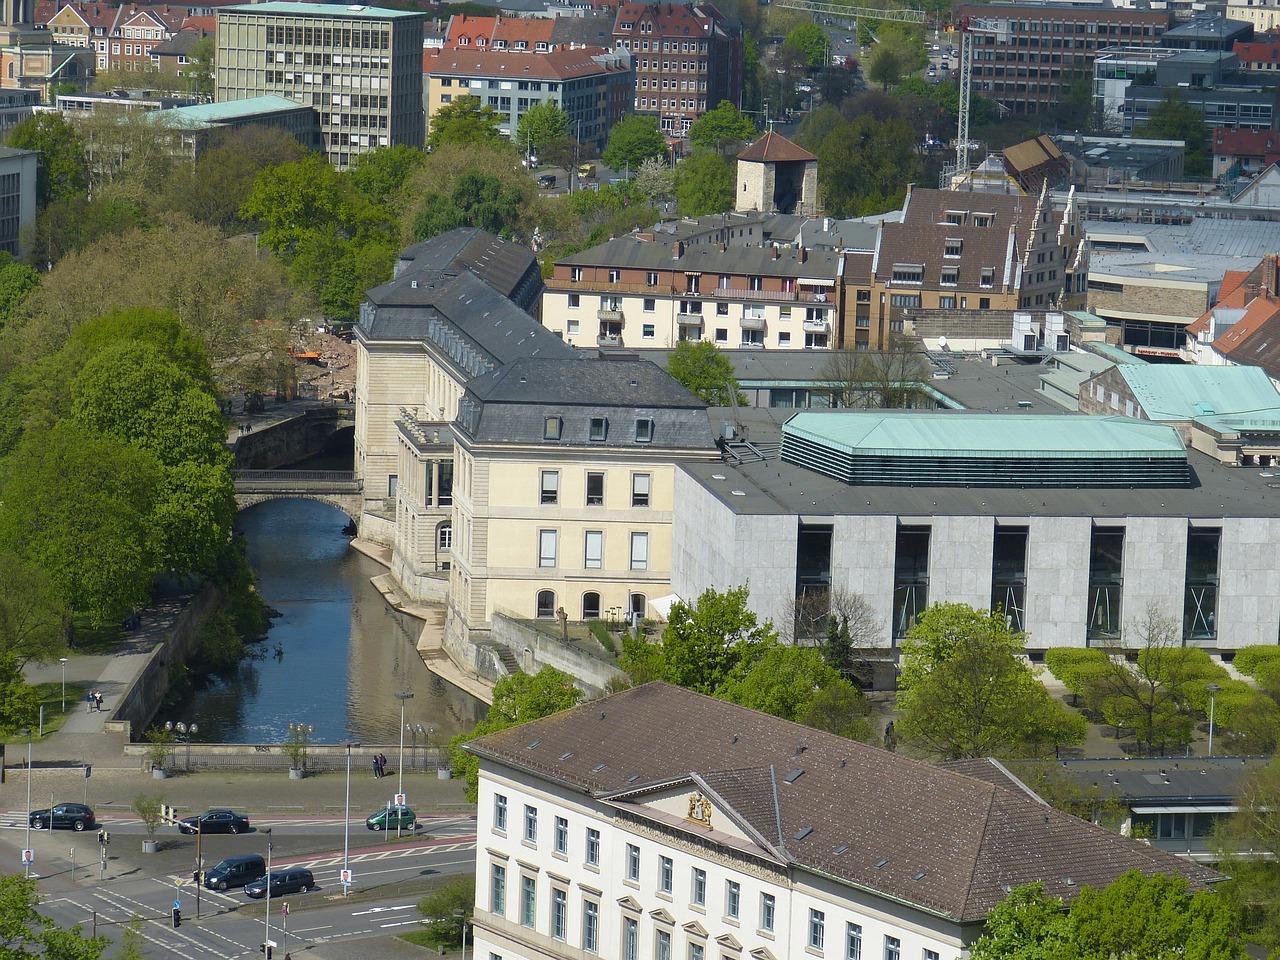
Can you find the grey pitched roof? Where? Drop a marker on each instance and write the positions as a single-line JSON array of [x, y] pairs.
[[512, 404], [920, 834], [632, 252], [507, 267]]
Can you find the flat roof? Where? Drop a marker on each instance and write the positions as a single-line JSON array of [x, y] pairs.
[[207, 113], [295, 9]]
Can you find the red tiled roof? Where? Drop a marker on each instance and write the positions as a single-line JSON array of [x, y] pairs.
[[1256, 314], [208, 24], [774, 148], [1230, 142], [557, 65], [1260, 50], [484, 32]]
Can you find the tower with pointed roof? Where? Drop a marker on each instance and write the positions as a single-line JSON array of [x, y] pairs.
[[777, 176]]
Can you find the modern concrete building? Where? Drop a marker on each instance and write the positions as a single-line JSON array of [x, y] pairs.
[[360, 67], [662, 823], [194, 125], [1225, 105], [17, 197]]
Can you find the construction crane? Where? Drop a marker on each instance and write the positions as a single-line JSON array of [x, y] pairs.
[[968, 26], [847, 12]]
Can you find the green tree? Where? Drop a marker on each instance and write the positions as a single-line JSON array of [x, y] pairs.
[[292, 200], [841, 708], [477, 200], [655, 180], [723, 130], [464, 121], [542, 127], [632, 141], [517, 698], [25, 932], [893, 378], [60, 170], [1175, 119], [18, 706], [884, 67], [964, 690], [31, 613], [381, 174], [200, 68], [706, 372], [787, 681], [447, 910], [16, 281], [812, 42], [704, 184], [864, 166], [1248, 846]]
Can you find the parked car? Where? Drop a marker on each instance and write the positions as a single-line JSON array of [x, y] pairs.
[[547, 180], [388, 818], [65, 816], [214, 821], [235, 871], [295, 880]]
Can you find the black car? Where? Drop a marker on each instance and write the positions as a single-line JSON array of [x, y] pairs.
[[282, 882], [66, 816], [215, 821]]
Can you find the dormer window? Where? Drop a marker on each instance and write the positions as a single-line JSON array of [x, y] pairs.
[[952, 247], [983, 219], [627, 25], [988, 277], [644, 430], [954, 217], [463, 41], [908, 273], [541, 46], [551, 427], [522, 44], [950, 276], [500, 44], [599, 429]]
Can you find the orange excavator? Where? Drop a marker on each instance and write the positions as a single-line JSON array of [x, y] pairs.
[[306, 356]]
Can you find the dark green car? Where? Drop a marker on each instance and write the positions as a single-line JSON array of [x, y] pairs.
[[389, 818]]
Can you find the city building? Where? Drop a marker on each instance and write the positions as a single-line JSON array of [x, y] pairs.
[[88, 25], [1224, 105], [647, 290], [1243, 327], [1074, 525], [591, 85], [688, 58], [1026, 56], [1243, 153], [17, 198], [1107, 160], [1261, 55], [176, 55], [1262, 15], [360, 67], [140, 30], [195, 126], [527, 34], [777, 176], [1208, 31], [660, 822], [16, 105], [32, 58]]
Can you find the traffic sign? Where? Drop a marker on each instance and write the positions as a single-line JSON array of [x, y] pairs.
[[346, 877], [399, 801]]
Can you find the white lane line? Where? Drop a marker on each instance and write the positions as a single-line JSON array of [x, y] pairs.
[[301, 930], [403, 923], [361, 913]]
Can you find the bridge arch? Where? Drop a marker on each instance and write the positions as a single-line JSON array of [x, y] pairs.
[[340, 489], [351, 506]]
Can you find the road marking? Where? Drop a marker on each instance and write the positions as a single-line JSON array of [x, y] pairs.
[[301, 930], [403, 923], [361, 913]]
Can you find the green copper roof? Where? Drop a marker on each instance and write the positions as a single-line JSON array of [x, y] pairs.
[[203, 114], [1184, 392]]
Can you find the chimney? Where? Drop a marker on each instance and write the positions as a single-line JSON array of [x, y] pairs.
[[801, 254], [677, 250], [775, 253], [723, 246]]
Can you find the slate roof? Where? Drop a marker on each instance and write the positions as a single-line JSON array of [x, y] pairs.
[[945, 843], [633, 253], [511, 404], [507, 267], [775, 148]]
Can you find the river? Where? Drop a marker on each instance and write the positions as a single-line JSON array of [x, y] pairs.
[[335, 658]]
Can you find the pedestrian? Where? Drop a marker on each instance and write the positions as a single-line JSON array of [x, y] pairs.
[[377, 767], [98, 697], [88, 702], [382, 764]]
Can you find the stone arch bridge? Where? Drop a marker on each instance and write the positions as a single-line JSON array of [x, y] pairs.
[[340, 489]]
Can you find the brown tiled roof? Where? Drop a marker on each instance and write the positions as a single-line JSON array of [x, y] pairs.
[[1250, 334], [557, 65], [1230, 142], [1232, 294], [1031, 153], [947, 843], [532, 30], [775, 148]]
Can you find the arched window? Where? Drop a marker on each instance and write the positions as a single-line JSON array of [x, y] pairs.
[[591, 606], [638, 605], [546, 603]]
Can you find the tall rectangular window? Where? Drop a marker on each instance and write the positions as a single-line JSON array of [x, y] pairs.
[[639, 551], [892, 948], [590, 926], [595, 489], [593, 846], [528, 901], [853, 941], [662, 945], [817, 929], [630, 938], [767, 906], [665, 874], [562, 835], [697, 951], [498, 890], [928, 954], [698, 887], [593, 552], [550, 486], [910, 578], [1106, 584], [546, 548], [1200, 603], [1009, 575], [640, 489], [633, 863], [732, 899], [499, 812], [559, 913], [599, 429], [531, 824]]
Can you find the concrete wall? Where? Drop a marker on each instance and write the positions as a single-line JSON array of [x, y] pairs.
[[862, 551], [1057, 581], [1155, 568], [534, 650], [961, 550], [1249, 578], [292, 440]]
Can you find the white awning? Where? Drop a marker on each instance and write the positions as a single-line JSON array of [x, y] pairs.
[[662, 606], [815, 282], [1215, 808]]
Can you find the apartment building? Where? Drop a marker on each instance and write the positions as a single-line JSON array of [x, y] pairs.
[[591, 85], [1262, 15], [138, 32], [1259, 56], [1026, 56], [32, 58], [527, 34], [87, 25], [17, 198], [688, 57], [360, 67], [644, 291], [663, 823]]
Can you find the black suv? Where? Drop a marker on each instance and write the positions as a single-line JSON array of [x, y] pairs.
[[235, 871], [214, 821], [295, 880], [65, 816]]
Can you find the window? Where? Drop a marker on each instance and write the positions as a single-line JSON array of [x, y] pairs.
[[615, 276], [651, 278], [633, 863], [630, 939], [892, 948], [766, 911], [546, 604], [546, 548], [593, 550], [930, 954], [817, 929], [722, 335], [732, 899], [697, 951], [595, 489], [550, 486], [575, 274], [499, 812], [591, 606], [551, 428], [531, 824], [590, 925], [575, 301], [528, 900], [562, 835], [650, 305], [593, 846], [559, 913], [950, 276], [699, 887], [952, 246], [644, 431], [853, 941], [662, 946], [498, 890], [988, 278], [908, 273], [647, 331], [639, 551], [665, 870]]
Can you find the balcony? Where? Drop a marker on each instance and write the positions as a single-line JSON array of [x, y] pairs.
[[753, 323], [609, 340], [689, 319], [609, 316], [817, 326]]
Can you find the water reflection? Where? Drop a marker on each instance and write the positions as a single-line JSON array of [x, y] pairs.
[[337, 656]]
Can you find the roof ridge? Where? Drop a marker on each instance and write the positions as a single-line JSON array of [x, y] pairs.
[[982, 842]]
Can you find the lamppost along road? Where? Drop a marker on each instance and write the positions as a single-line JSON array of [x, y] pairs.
[[402, 697]]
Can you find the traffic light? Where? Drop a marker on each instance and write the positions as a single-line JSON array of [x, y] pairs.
[[102, 838], [177, 918], [195, 877]]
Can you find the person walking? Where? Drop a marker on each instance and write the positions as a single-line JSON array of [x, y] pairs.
[[97, 696], [88, 702], [382, 764], [377, 767]]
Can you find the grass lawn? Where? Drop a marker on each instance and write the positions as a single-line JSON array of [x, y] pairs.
[[49, 696]]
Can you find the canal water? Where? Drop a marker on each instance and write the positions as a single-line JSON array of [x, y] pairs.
[[336, 657]]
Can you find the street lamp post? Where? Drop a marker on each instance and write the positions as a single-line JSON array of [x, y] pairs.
[[426, 745], [26, 850], [185, 732], [63, 661], [346, 824], [1213, 689], [266, 920], [402, 696]]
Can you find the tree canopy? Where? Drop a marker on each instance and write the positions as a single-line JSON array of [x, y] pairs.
[[1248, 843], [542, 128], [25, 932], [812, 42], [633, 140], [1176, 119], [464, 121], [706, 372], [704, 184], [724, 129], [61, 170]]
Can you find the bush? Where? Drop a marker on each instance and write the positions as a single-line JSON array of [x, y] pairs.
[[1261, 663], [601, 632], [448, 910], [1078, 669]]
